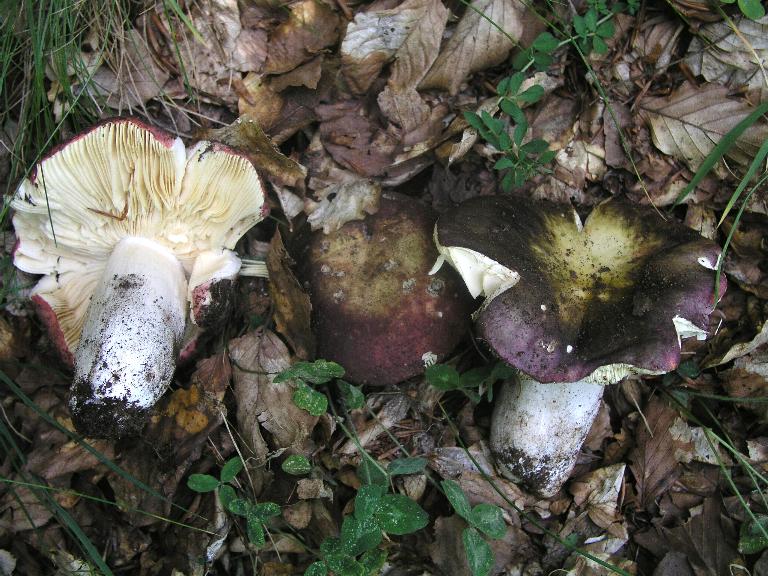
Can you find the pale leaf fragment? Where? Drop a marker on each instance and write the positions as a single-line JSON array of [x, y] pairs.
[[342, 203], [690, 122], [693, 445], [599, 493], [657, 41], [721, 55], [411, 31], [477, 42]]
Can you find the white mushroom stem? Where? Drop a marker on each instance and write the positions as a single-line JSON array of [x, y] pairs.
[[537, 430], [130, 339]]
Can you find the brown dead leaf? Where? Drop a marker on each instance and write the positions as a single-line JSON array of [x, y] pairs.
[[307, 75], [66, 458], [258, 357], [245, 135], [476, 43], [746, 261], [657, 41], [692, 120], [292, 305], [599, 492], [23, 509], [341, 204], [693, 445], [260, 102], [409, 33], [311, 27], [312, 488], [653, 459]]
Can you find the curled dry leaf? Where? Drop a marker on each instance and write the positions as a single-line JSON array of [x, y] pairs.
[[409, 33], [693, 445], [292, 305], [258, 357], [722, 55], [477, 42], [311, 26], [692, 120], [599, 493], [746, 261], [657, 41], [342, 203]]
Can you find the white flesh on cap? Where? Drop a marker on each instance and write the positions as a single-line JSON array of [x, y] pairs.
[[132, 331], [537, 430]]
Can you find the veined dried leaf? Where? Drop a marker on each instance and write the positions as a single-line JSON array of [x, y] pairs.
[[477, 42], [411, 32], [657, 41], [342, 203], [721, 55], [653, 459], [695, 445], [691, 121], [599, 492]]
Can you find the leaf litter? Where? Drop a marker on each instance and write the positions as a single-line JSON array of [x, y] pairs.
[[337, 103]]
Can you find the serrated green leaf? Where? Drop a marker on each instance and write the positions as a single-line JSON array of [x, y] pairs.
[[442, 377], [226, 495], [317, 372], [255, 532], [202, 482], [353, 395], [239, 506], [403, 466], [479, 553], [296, 465], [370, 472], [231, 469], [599, 45], [367, 500], [358, 536], [456, 497], [606, 29], [397, 514], [532, 95], [373, 561], [264, 510], [310, 400], [545, 42], [752, 539], [316, 569], [489, 519]]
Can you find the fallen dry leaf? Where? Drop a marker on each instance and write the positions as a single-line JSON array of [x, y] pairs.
[[292, 306], [599, 492], [341, 204], [258, 357], [693, 445], [311, 26], [692, 120], [722, 55], [476, 43], [657, 41], [746, 261]]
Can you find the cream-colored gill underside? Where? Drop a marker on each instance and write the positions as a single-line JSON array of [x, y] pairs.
[[119, 180]]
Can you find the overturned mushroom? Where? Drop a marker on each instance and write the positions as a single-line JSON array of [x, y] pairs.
[[573, 307], [129, 229], [376, 310]]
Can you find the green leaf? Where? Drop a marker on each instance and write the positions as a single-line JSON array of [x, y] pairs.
[[226, 495], [296, 465], [231, 469], [509, 107], [264, 510], [599, 45], [501, 164], [479, 553], [519, 133], [239, 506], [504, 142], [310, 400], [358, 536], [373, 561], [403, 466], [456, 497], [590, 19], [397, 514], [370, 472], [606, 29], [489, 520], [343, 565], [752, 539], [532, 95], [547, 156], [255, 532], [367, 500], [330, 547], [542, 61], [353, 396], [473, 120], [316, 569], [535, 146], [579, 26], [545, 42], [442, 377], [202, 482], [506, 182], [752, 9], [317, 372]]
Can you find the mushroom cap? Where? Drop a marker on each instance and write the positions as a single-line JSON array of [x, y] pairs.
[[376, 310], [117, 179], [598, 301]]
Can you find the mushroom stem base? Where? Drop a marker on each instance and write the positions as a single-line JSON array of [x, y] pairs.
[[130, 340], [537, 430]]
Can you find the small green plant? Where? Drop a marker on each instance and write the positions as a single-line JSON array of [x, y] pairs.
[[752, 9], [305, 375], [473, 383], [255, 514], [594, 27], [296, 465], [485, 521]]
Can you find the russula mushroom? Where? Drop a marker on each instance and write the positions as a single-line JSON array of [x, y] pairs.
[[130, 231], [376, 310], [573, 308]]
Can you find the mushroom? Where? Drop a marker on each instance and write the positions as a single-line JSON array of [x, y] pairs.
[[573, 308], [376, 310], [129, 228]]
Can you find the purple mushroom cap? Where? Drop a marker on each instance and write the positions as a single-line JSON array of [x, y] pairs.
[[613, 292]]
